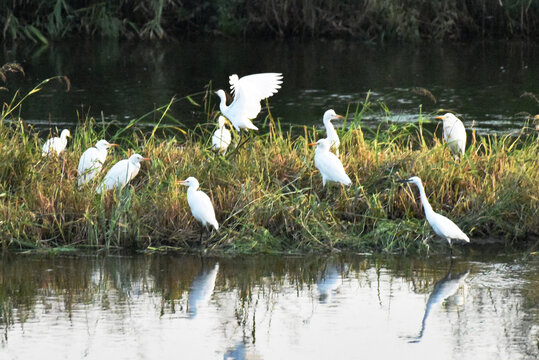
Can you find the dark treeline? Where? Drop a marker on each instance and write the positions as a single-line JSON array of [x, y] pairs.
[[366, 20]]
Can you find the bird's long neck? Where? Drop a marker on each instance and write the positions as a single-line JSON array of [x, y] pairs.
[[424, 200], [192, 189], [330, 129], [223, 106]]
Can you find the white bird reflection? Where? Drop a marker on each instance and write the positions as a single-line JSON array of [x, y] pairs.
[[328, 282], [202, 289], [444, 289], [241, 351]]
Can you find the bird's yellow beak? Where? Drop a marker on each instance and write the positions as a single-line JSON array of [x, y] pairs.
[[111, 145], [147, 159], [181, 182], [340, 116], [312, 144], [439, 117]]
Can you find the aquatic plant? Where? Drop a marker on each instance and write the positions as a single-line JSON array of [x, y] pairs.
[[268, 196]]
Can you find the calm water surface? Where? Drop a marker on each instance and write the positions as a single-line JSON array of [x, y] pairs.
[[352, 307], [118, 82]]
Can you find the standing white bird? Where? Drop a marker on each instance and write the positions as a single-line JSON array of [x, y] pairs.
[[56, 144], [200, 204], [331, 134], [221, 137], [248, 92], [441, 225], [454, 133], [121, 173], [329, 164], [91, 161]]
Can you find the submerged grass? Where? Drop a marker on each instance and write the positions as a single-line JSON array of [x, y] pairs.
[[268, 196]]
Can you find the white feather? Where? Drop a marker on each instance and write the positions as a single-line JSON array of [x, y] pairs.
[[442, 226], [329, 164], [121, 173], [221, 137], [454, 133], [200, 204], [91, 161], [248, 91], [56, 145]]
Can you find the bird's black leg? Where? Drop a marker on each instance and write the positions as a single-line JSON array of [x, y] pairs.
[[201, 232]]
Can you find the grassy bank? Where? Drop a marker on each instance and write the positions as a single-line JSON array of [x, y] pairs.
[[373, 20], [268, 196]]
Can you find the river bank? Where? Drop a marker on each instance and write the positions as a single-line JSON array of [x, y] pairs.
[[268, 195]]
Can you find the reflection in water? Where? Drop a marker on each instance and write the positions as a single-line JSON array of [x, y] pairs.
[[202, 289], [170, 307], [328, 282], [444, 289]]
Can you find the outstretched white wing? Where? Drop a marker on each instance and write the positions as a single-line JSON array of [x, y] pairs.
[[251, 89]]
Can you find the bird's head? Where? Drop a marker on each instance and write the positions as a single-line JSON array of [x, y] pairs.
[[190, 181], [104, 144], [414, 180], [331, 115], [65, 133], [136, 158], [447, 117], [222, 121], [322, 144]]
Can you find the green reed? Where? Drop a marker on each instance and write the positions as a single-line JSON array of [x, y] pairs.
[[268, 196]]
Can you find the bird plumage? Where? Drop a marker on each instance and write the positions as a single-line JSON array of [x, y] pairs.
[[91, 161], [442, 226], [221, 138], [454, 133], [56, 145], [121, 173], [331, 134], [248, 91], [329, 164], [200, 203]]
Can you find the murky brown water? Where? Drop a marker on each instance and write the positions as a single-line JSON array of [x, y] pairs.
[[350, 307]]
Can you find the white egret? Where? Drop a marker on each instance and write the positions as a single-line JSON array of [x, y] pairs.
[[200, 204], [121, 173], [441, 225], [454, 133], [331, 134], [221, 137], [91, 161], [329, 164], [248, 92], [56, 144]]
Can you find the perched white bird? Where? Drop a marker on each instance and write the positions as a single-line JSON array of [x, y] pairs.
[[454, 133], [331, 134], [200, 204], [91, 161], [329, 164], [221, 137], [56, 144], [121, 173], [441, 225], [248, 92]]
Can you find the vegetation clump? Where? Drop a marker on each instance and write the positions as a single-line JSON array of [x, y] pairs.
[[373, 20], [268, 195]]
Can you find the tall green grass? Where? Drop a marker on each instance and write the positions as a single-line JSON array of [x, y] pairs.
[[268, 196]]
